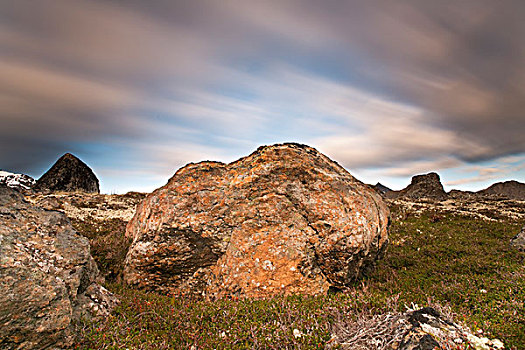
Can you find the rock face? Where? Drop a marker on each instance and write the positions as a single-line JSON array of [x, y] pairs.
[[19, 182], [519, 240], [47, 277], [422, 186], [286, 219], [68, 174], [510, 189]]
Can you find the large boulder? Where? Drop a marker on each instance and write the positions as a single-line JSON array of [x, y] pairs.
[[68, 174], [285, 219], [48, 279], [426, 186]]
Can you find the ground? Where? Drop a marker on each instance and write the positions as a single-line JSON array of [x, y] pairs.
[[453, 255]]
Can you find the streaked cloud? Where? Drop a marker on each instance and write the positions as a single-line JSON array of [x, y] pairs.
[[388, 89]]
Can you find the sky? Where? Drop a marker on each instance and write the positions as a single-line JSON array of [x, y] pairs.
[[388, 89]]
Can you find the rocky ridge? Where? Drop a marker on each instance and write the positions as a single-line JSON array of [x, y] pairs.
[[48, 278], [68, 174], [285, 219], [483, 208]]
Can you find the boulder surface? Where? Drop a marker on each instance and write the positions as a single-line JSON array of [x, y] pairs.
[[68, 174], [48, 279], [285, 219]]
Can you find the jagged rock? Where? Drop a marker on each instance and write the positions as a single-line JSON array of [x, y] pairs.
[[68, 174], [422, 186], [20, 182], [285, 219], [48, 279], [382, 189], [518, 241], [509, 189]]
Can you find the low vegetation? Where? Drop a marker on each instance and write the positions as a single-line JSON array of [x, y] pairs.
[[435, 258]]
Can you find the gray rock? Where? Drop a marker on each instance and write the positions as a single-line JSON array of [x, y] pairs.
[[518, 241], [48, 279], [421, 329]]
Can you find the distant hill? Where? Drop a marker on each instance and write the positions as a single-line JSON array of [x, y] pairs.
[[510, 189]]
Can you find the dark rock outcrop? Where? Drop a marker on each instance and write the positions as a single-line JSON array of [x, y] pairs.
[[48, 279], [382, 189], [518, 241], [68, 174], [427, 186], [285, 219], [19, 182], [509, 189]]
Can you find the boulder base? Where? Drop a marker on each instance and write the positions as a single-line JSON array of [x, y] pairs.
[[286, 219]]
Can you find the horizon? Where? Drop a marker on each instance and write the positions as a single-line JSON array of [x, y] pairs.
[[388, 90], [151, 189]]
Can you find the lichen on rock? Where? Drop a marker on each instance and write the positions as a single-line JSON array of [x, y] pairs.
[[48, 279], [285, 219]]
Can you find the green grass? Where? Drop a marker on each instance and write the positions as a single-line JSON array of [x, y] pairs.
[[433, 258]]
